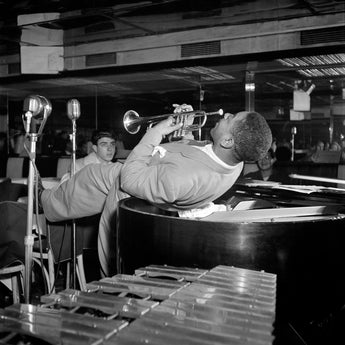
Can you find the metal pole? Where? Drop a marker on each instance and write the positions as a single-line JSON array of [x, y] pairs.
[[36, 110], [74, 236], [73, 113], [250, 91], [29, 239], [293, 133]]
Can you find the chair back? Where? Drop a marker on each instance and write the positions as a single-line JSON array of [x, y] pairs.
[[63, 166], [14, 168]]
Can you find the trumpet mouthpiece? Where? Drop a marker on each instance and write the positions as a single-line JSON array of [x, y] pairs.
[[221, 112]]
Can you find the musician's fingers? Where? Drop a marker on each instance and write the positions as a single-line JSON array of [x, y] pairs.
[[186, 107], [180, 108], [178, 119], [227, 115], [168, 126], [190, 120], [173, 128]]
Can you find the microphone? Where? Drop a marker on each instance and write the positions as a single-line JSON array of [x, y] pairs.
[[35, 107], [32, 104], [38, 106], [311, 88], [46, 105], [73, 109]]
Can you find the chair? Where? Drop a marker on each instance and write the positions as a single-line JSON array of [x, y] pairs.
[[63, 166], [56, 249], [13, 230], [12, 274], [14, 168], [12, 277]]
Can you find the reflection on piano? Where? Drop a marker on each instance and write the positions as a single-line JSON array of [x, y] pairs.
[[298, 235]]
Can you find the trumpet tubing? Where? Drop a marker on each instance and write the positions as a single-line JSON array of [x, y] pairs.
[[132, 122]]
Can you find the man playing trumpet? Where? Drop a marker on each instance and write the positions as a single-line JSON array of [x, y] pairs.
[[174, 176]]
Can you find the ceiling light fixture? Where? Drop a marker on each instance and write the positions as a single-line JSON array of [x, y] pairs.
[[321, 65]]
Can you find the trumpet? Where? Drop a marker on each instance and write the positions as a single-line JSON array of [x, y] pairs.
[[133, 122]]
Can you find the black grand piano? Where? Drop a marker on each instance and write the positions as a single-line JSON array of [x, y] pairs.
[[296, 232]]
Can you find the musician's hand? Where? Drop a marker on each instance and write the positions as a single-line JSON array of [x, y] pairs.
[[181, 108], [186, 120], [167, 126]]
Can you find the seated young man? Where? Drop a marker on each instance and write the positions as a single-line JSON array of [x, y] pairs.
[[175, 176], [103, 151]]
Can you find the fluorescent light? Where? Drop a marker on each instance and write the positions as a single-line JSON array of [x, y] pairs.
[[316, 63]]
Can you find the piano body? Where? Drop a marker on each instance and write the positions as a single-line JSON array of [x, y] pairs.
[[297, 235]]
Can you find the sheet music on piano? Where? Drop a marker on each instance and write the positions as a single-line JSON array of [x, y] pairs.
[[254, 201], [308, 189], [304, 189], [259, 183]]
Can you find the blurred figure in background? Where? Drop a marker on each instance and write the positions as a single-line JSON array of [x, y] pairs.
[[273, 167], [17, 143], [121, 152], [3, 153], [342, 144], [60, 143], [265, 166], [119, 141], [82, 147], [283, 154], [320, 145], [335, 146], [313, 151], [47, 142]]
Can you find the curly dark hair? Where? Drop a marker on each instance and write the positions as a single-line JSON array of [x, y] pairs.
[[102, 133], [252, 137]]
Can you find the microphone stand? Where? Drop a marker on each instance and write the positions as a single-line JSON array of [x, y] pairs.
[[74, 237], [29, 239], [73, 113], [293, 133]]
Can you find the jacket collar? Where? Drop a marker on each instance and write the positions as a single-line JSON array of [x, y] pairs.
[[186, 149]]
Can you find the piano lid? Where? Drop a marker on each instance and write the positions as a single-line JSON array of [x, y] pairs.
[[283, 195]]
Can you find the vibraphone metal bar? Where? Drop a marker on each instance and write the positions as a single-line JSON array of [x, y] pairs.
[[56, 326], [225, 305]]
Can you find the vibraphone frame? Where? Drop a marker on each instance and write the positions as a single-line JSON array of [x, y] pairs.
[[157, 305]]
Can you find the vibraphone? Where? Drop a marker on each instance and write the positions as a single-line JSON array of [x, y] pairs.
[[157, 305]]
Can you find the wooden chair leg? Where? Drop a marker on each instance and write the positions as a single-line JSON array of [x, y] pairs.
[[15, 288], [81, 273], [51, 271], [68, 274]]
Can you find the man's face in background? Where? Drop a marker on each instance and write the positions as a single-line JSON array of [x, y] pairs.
[[105, 149], [266, 162]]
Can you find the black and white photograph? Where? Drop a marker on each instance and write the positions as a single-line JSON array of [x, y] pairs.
[[172, 172]]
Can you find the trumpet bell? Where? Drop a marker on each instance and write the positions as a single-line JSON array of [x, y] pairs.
[[131, 122]]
